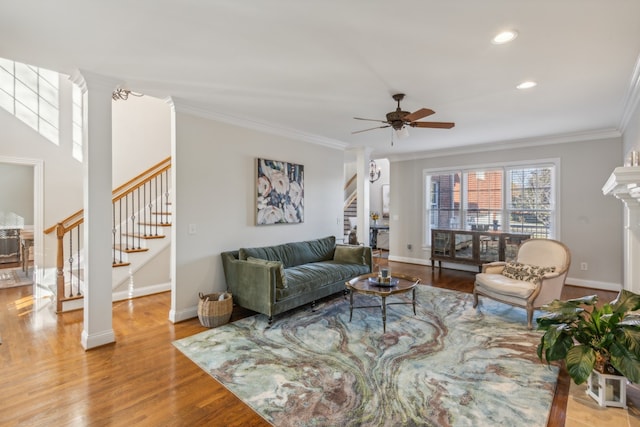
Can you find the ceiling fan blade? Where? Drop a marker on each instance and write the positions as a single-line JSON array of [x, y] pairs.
[[438, 125], [419, 114], [364, 130], [371, 120]]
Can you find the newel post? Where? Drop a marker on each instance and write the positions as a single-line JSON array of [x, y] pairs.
[[60, 231]]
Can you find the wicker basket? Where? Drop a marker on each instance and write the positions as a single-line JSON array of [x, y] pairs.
[[212, 312]]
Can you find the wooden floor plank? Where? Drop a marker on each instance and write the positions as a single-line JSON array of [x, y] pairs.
[[47, 378]]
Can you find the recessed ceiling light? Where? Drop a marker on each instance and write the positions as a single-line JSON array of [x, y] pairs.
[[527, 85], [505, 37]]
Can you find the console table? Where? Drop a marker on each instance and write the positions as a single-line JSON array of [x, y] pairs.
[[473, 247]]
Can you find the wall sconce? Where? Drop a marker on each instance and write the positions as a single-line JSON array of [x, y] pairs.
[[123, 94], [374, 172]]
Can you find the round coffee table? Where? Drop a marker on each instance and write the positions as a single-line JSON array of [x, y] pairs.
[[401, 284]]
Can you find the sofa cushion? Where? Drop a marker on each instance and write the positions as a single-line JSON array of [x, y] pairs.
[[292, 254], [349, 254], [281, 279], [504, 285], [303, 278], [525, 272]]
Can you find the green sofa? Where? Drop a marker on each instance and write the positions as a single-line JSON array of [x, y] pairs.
[[273, 279]]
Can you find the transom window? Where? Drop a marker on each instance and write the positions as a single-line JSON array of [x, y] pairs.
[[31, 94], [515, 199]]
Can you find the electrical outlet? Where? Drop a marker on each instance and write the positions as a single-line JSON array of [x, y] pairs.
[[584, 266]]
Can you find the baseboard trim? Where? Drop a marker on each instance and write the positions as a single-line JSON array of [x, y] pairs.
[[97, 340], [408, 260], [176, 316], [593, 284], [141, 292]]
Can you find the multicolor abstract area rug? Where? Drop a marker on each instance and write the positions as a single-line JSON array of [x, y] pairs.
[[449, 365]]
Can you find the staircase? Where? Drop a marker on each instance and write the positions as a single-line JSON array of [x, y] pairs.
[[141, 221], [350, 203]]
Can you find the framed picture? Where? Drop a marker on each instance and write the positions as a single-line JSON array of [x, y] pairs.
[[385, 200], [280, 192]]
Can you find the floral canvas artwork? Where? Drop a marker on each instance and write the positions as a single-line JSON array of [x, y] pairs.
[[280, 191]]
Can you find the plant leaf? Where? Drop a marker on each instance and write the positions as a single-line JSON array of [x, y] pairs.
[[625, 362], [630, 320], [555, 343], [629, 337], [625, 302], [580, 361]]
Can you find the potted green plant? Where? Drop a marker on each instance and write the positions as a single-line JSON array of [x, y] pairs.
[[588, 338]]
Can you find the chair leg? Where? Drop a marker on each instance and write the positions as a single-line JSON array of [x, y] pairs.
[[530, 317], [475, 298]]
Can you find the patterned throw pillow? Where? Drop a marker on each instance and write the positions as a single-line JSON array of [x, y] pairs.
[[281, 280], [525, 272]]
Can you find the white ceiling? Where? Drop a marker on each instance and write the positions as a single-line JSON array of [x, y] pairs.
[[306, 68]]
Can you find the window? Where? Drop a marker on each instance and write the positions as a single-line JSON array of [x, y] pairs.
[[31, 94], [515, 199], [531, 203]]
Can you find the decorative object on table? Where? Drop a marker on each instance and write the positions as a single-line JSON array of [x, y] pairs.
[[384, 275], [594, 340], [215, 309], [389, 282], [280, 192], [375, 216], [448, 365]]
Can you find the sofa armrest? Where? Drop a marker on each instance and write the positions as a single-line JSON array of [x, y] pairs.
[[252, 285], [493, 267]]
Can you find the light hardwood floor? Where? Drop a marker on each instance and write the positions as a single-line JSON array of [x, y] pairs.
[[47, 379]]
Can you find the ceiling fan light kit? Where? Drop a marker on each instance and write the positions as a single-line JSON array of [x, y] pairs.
[[399, 119]]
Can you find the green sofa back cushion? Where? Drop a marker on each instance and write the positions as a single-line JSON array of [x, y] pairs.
[[349, 254], [292, 254], [281, 280]]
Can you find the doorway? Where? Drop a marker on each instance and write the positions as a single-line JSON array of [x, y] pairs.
[[21, 216]]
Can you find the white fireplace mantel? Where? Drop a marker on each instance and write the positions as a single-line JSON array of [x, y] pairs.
[[624, 183]]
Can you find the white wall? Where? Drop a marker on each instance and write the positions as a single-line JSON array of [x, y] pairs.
[[16, 191], [141, 136], [590, 221], [215, 190]]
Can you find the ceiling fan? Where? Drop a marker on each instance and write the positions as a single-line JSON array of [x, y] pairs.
[[399, 119]]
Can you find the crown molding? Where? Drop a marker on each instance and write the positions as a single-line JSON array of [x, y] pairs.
[[510, 144], [201, 111]]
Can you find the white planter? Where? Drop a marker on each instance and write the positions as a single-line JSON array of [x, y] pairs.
[[608, 390]]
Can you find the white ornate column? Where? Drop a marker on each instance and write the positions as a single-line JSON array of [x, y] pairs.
[[97, 187], [362, 170]]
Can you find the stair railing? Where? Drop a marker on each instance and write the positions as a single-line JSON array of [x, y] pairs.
[[139, 207]]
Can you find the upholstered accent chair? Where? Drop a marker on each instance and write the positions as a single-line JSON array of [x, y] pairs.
[[535, 278]]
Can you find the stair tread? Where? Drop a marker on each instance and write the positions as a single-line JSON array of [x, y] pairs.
[[160, 224], [129, 250], [148, 236], [120, 264]]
